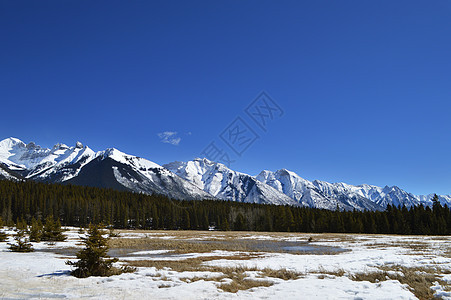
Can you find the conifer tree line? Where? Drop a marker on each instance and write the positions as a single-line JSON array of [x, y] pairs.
[[33, 202]]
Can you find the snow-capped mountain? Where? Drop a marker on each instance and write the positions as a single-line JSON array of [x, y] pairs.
[[316, 194], [6, 173], [113, 168], [427, 199], [226, 184], [321, 194], [82, 166], [196, 179], [32, 161]]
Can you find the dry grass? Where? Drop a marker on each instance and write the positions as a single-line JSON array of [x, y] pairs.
[[240, 283], [182, 246], [235, 277], [276, 236], [179, 246], [187, 265], [283, 274], [419, 279], [338, 272], [416, 247]]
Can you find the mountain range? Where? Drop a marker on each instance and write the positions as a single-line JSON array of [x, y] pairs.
[[193, 180]]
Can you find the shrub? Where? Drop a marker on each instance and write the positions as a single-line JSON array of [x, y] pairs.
[[3, 236], [52, 231], [22, 243], [93, 260], [36, 230]]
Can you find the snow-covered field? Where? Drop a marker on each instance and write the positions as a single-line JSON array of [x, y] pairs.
[[325, 274]]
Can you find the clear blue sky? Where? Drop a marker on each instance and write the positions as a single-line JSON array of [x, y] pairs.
[[365, 86]]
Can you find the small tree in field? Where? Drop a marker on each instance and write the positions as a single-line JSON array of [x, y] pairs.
[[36, 230], [52, 231], [93, 260], [22, 243], [3, 236]]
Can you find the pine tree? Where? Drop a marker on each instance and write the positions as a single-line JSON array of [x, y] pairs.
[[93, 259], [3, 236], [186, 221], [22, 243], [240, 223], [436, 203], [52, 231], [225, 224], [36, 230], [21, 224]]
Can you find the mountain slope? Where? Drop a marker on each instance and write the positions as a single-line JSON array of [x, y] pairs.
[[32, 161], [196, 179], [226, 184], [82, 166], [6, 173], [316, 194], [321, 194]]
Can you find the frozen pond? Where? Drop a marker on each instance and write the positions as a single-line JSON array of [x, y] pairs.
[[250, 246]]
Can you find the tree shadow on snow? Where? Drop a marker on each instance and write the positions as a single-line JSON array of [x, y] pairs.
[[57, 273]]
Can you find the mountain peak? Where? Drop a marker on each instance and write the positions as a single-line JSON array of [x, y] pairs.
[[10, 142], [33, 146], [205, 161], [59, 146], [112, 152]]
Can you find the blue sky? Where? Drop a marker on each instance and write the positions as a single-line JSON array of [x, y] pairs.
[[365, 86]]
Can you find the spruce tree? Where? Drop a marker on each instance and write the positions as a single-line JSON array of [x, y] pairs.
[[93, 260], [22, 243], [52, 231], [36, 230], [21, 224], [3, 236], [240, 223], [436, 206]]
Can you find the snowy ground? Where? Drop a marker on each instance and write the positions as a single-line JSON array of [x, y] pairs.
[[43, 274]]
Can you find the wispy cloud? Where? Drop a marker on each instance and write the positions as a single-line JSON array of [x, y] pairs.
[[169, 137]]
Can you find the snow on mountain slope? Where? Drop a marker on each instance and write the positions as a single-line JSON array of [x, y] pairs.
[[80, 165], [321, 194], [348, 195], [427, 199], [395, 196], [6, 173], [32, 161], [139, 174], [11, 152], [316, 194], [226, 184], [197, 179], [297, 188]]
